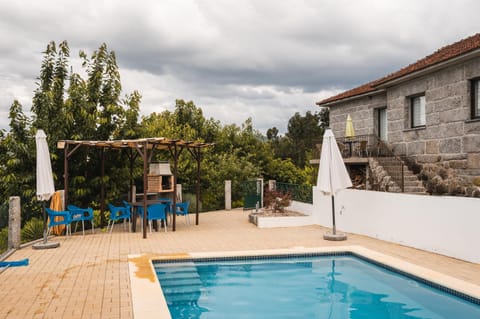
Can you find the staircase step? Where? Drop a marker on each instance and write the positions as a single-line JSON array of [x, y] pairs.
[[412, 184], [412, 189]]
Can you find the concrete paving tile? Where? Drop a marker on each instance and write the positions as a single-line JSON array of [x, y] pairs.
[[88, 277]]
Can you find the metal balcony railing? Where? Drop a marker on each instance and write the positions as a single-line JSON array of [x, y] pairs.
[[364, 146]]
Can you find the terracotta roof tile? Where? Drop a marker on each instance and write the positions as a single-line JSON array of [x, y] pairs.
[[366, 88], [441, 55]]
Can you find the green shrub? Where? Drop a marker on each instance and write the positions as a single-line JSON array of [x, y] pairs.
[[277, 200], [97, 218], [3, 216], [32, 230], [3, 239]]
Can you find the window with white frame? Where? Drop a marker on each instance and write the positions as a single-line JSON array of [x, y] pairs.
[[417, 111], [475, 98]]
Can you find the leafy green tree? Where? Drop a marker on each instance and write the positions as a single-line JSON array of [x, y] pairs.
[[48, 98], [303, 131], [285, 171], [103, 91], [97, 102], [18, 161], [67, 106], [241, 153]]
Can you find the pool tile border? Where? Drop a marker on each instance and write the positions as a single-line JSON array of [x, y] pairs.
[[327, 254], [444, 283]]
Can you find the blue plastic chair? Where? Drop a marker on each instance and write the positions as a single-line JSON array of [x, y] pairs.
[[127, 205], [182, 209], [157, 212], [64, 219], [140, 214], [118, 213], [168, 202], [78, 214]]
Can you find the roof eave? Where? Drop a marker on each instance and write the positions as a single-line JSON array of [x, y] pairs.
[[433, 68], [350, 98]]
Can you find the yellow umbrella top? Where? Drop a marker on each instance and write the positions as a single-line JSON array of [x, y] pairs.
[[349, 131]]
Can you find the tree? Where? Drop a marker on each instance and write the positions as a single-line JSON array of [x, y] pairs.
[[67, 106], [302, 135], [272, 133], [17, 157], [48, 98]]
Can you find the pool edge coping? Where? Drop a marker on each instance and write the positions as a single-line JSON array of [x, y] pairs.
[[148, 300]]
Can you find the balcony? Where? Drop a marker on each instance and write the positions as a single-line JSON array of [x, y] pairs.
[[356, 152], [354, 149]]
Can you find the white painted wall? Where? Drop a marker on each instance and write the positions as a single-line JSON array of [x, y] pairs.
[[441, 224], [307, 209]]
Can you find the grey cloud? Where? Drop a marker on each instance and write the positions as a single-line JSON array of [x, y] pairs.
[[263, 59]]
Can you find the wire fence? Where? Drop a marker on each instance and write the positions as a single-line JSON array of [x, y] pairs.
[[299, 193]]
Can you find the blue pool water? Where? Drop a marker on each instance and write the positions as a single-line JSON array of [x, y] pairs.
[[329, 287]]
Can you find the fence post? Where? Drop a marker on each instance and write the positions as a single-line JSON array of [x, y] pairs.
[[272, 184], [260, 190], [228, 195], [14, 222], [178, 193]]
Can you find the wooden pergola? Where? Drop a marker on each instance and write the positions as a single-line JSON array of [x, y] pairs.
[[145, 148]]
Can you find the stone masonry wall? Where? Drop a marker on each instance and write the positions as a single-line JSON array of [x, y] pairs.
[[362, 112], [450, 138]]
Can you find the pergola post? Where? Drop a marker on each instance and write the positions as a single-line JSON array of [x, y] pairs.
[[65, 174], [175, 152], [197, 195], [67, 154], [102, 186], [144, 155], [132, 157]]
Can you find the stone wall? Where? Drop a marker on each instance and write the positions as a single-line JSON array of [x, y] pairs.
[[450, 138], [362, 112]]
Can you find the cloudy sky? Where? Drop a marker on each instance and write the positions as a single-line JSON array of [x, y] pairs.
[[264, 59]]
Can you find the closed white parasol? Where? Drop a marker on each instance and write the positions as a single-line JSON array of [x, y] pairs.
[[332, 175], [45, 187]]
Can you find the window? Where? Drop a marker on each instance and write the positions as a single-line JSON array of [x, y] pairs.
[[417, 108], [475, 98]]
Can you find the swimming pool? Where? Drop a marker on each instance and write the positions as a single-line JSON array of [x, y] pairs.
[[303, 286]]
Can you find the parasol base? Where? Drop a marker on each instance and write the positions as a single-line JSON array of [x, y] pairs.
[[334, 237], [43, 245]]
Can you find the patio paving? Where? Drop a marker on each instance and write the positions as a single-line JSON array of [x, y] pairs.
[[87, 276]]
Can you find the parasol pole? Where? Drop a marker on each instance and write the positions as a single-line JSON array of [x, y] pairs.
[[334, 230], [44, 223]]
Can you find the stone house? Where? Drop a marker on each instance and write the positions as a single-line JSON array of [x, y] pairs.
[[428, 112]]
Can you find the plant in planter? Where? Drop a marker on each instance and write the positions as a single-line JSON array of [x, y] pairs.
[[277, 201]]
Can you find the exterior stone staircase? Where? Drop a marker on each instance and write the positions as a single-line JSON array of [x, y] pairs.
[[386, 176], [412, 184]]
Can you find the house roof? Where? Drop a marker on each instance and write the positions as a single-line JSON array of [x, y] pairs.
[[441, 55]]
